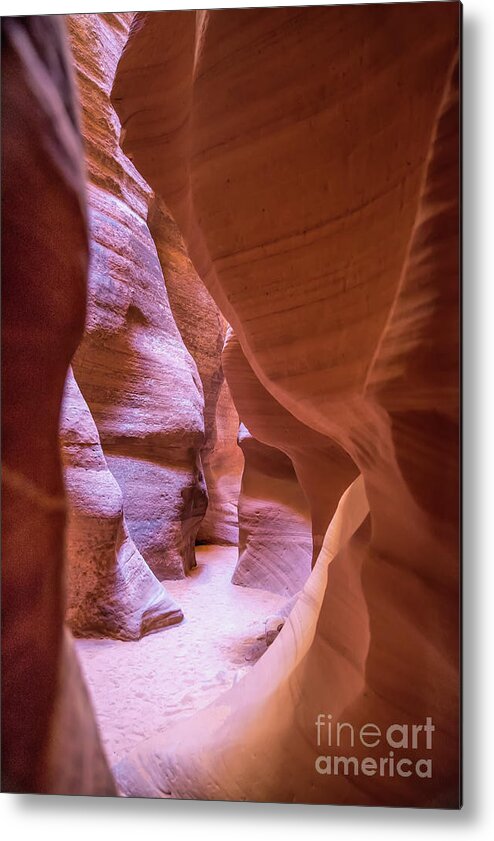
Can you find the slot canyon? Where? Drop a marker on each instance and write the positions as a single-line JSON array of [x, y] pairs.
[[230, 400]]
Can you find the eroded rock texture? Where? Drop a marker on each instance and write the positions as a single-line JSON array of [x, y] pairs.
[[110, 589], [44, 263], [275, 542], [139, 380], [319, 202], [203, 329], [323, 469]]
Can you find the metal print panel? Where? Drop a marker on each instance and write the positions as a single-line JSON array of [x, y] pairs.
[[230, 263]]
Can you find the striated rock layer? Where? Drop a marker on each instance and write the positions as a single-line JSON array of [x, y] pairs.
[[110, 589], [319, 471], [203, 328], [275, 543], [319, 202], [139, 380], [50, 741]]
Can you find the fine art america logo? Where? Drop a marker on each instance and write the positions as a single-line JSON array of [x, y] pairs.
[[341, 737]]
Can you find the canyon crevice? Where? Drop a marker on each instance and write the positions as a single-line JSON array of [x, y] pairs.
[[141, 384], [231, 318], [275, 545]]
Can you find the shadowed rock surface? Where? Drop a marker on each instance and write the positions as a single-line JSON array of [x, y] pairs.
[[44, 262]]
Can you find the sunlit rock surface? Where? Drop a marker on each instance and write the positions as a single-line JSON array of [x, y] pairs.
[[139, 380], [44, 262], [110, 589], [275, 541], [318, 200], [203, 328], [323, 469]]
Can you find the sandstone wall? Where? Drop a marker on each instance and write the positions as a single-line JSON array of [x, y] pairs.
[[318, 200], [322, 468], [275, 541], [44, 263], [203, 328], [110, 589], [139, 380]]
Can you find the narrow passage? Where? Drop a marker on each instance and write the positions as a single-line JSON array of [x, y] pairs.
[[140, 688]]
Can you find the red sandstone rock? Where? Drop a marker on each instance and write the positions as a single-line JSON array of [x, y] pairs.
[[322, 468], [44, 262], [275, 542], [110, 589], [223, 465], [75, 763], [203, 328], [318, 200], [139, 380]]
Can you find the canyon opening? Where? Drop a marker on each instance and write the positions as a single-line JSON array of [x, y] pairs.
[[230, 404]]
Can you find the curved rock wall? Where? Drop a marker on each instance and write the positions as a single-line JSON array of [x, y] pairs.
[[44, 263], [110, 589], [139, 380], [275, 542], [322, 468], [338, 271], [203, 328], [223, 466]]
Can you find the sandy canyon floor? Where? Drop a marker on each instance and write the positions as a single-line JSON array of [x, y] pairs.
[[140, 688]]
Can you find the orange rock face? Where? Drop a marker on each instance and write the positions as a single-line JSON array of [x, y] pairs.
[[50, 741], [318, 200], [140, 382], [322, 468]]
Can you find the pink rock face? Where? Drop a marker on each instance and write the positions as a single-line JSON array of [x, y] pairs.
[[319, 203], [44, 262], [110, 589], [275, 541], [203, 328], [140, 382], [223, 465]]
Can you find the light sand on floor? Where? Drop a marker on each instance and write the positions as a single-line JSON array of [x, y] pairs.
[[139, 688]]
